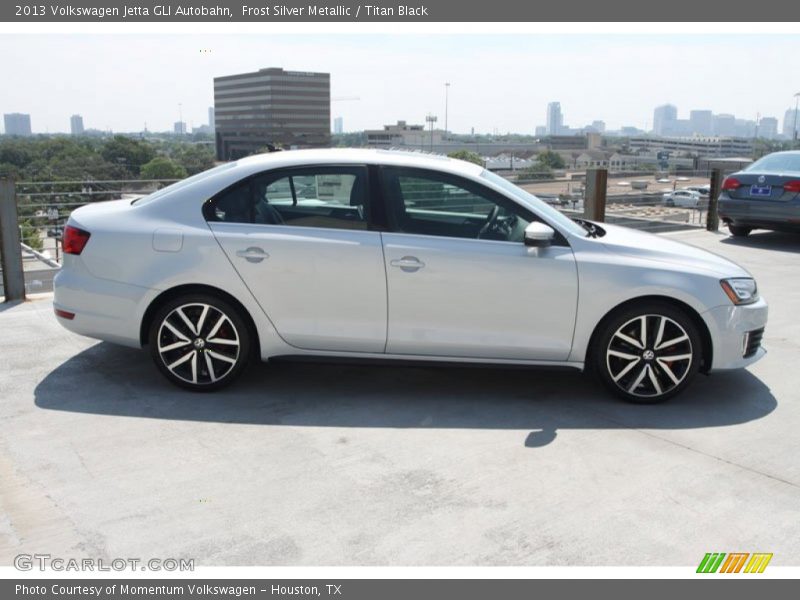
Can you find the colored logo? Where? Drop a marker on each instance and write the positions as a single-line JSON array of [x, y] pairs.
[[735, 562]]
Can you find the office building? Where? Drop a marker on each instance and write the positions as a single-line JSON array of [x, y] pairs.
[[768, 128], [17, 124], [403, 135], [724, 125], [664, 118], [555, 119], [76, 125], [179, 127], [211, 118], [701, 122], [338, 125], [271, 107], [790, 123], [693, 146]]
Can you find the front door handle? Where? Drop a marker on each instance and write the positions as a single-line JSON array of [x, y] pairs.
[[409, 264], [254, 254]]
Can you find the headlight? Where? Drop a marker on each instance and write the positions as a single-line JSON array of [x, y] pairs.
[[740, 290]]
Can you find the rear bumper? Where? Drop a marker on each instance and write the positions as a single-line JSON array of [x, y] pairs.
[[729, 326], [105, 310], [763, 214]]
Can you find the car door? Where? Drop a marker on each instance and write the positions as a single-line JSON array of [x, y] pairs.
[[300, 241], [462, 283]]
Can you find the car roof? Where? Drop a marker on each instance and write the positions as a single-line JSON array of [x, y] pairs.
[[343, 156]]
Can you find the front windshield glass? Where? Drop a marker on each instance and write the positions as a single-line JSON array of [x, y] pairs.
[[777, 163], [545, 210]]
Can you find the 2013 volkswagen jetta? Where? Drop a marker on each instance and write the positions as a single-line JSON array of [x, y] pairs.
[[376, 254]]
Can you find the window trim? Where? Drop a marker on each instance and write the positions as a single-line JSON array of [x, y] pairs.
[[358, 169], [469, 185]]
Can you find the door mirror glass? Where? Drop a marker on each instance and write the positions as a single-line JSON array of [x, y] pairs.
[[539, 235]]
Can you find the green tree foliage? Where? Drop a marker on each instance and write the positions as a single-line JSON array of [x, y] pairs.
[[537, 171], [162, 167], [194, 158], [468, 156], [30, 235], [551, 159], [129, 153]]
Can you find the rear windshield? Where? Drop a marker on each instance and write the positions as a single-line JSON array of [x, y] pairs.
[[777, 163], [183, 183]]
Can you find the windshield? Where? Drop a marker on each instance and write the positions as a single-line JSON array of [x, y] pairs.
[[777, 163], [545, 210], [182, 183]]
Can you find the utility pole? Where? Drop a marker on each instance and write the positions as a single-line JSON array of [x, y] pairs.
[[431, 119], [446, 102]]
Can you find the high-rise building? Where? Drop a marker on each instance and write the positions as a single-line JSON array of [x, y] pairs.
[[791, 121], [768, 128], [598, 126], [338, 125], [701, 122], [17, 124], [211, 118], [724, 125], [540, 131], [271, 107], [664, 118], [179, 127], [555, 119], [76, 125]]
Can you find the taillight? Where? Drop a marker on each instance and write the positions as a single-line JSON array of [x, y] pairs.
[[74, 240], [792, 186], [731, 183]]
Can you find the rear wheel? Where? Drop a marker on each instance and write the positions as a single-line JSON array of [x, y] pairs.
[[739, 230], [647, 353], [199, 342]]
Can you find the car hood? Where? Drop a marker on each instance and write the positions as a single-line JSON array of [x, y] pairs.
[[639, 244]]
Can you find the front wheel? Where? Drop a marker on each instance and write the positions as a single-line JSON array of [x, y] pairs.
[[199, 342], [739, 230], [647, 353]]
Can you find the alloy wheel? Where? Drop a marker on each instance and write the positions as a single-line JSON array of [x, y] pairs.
[[198, 343], [649, 356]]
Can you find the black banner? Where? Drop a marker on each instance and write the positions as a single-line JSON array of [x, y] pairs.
[[413, 11], [395, 589]]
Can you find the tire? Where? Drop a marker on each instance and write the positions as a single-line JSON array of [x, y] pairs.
[[640, 372], [739, 230], [204, 360]]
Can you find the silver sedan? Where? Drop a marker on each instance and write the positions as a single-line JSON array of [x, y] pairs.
[[396, 256]]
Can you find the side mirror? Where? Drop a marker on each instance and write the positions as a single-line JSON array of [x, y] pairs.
[[539, 235]]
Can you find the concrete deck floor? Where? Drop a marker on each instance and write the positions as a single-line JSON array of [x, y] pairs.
[[329, 465]]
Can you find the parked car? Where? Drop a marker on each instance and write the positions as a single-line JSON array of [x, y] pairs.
[[704, 190], [763, 195], [683, 198], [413, 258]]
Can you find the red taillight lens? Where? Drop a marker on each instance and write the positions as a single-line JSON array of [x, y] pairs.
[[792, 186], [731, 184], [74, 240], [64, 314]]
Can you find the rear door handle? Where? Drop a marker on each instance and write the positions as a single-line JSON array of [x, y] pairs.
[[254, 254], [409, 264]]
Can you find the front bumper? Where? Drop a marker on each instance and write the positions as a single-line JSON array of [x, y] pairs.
[[105, 310], [731, 328]]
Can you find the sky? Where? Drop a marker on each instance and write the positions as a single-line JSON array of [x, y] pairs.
[[498, 82]]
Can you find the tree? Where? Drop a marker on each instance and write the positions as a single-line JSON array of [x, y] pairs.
[[551, 159], [468, 156], [195, 158], [162, 167], [128, 152]]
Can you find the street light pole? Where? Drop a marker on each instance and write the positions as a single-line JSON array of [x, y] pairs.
[[431, 119], [446, 102]]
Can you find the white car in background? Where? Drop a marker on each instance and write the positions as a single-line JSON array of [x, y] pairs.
[[683, 198], [364, 254]]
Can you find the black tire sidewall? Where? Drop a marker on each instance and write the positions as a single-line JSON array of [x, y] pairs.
[[230, 311], [598, 358]]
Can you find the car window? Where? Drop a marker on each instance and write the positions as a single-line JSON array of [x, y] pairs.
[[429, 203], [777, 163], [323, 197]]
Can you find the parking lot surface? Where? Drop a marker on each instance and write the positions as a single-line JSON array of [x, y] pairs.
[[310, 464]]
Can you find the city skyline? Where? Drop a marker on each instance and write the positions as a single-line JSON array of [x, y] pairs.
[[487, 91]]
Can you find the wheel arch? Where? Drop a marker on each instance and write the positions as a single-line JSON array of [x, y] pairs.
[[182, 290], [702, 328]]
